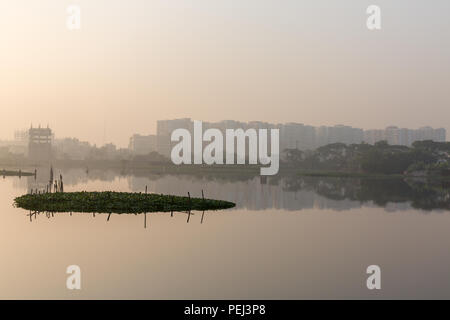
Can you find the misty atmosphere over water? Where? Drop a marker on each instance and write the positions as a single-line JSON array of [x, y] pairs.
[[224, 149]]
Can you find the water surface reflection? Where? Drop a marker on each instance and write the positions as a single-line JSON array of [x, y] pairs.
[[288, 238], [282, 192]]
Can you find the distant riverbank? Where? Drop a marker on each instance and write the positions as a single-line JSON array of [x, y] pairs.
[[337, 174], [8, 173], [230, 171]]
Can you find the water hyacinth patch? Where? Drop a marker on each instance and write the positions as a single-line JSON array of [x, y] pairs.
[[115, 202]]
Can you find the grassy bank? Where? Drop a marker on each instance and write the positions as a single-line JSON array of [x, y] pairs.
[[115, 202]]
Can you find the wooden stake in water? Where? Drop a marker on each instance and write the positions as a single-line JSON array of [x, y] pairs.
[[171, 207], [146, 189], [51, 178]]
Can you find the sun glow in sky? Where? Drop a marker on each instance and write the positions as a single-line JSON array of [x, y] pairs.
[[134, 62]]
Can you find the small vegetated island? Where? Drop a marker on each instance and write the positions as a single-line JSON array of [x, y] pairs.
[[116, 202]]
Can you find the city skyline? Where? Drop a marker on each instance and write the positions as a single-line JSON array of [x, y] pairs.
[[292, 136], [19, 131]]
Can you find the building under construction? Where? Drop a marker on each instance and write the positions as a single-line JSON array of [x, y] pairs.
[[40, 144]]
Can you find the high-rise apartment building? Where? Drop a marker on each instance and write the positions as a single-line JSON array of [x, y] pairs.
[[164, 129], [142, 145]]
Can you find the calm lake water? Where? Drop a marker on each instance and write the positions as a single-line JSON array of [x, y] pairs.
[[287, 238]]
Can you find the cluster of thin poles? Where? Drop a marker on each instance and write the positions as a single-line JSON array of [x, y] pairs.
[[58, 186], [171, 212], [52, 186]]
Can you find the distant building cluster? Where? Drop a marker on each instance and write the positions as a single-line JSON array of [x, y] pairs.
[[34, 143], [404, 136], [74, 149], [292, 135], [39, 144], [71, 148]]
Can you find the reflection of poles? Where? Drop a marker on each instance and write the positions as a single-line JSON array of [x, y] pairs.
[[31, 214], [203, 214], [145, 214], [171, 207], [109, 216], [189, 215]]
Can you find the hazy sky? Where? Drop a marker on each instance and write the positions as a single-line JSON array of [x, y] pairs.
[[137, 61]]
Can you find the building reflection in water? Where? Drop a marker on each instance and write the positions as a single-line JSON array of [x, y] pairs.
[[290, 193]]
